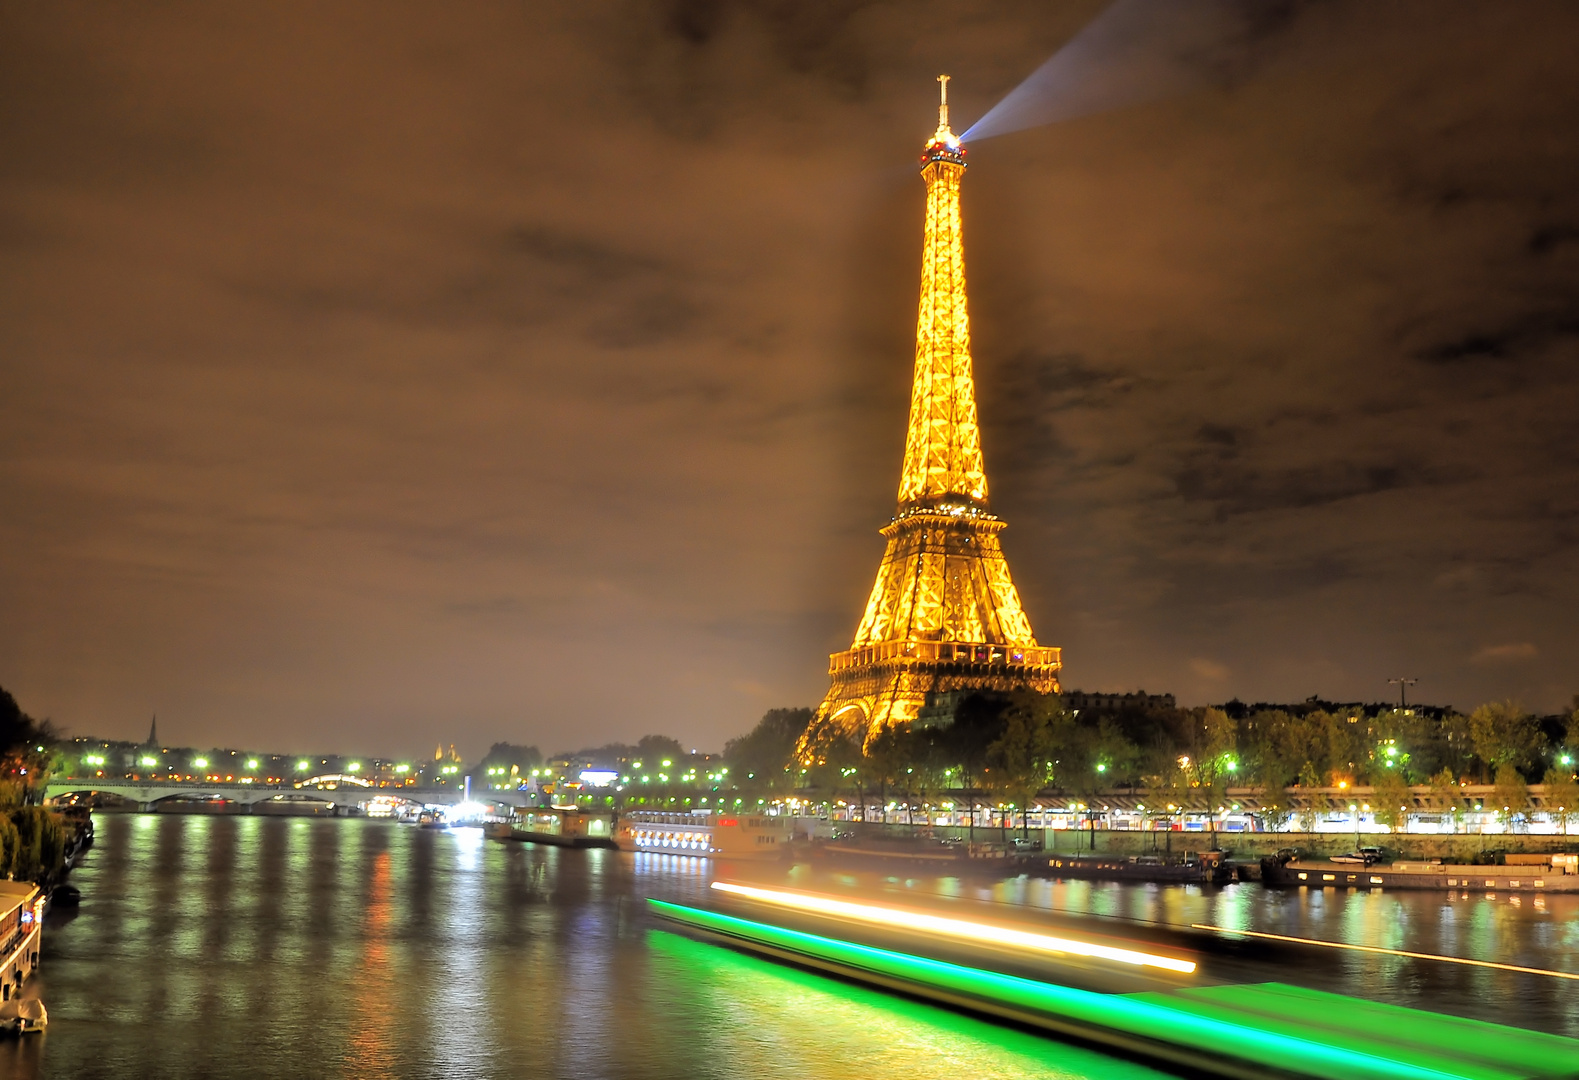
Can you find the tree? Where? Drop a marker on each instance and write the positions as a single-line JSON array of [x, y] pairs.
[[1391, 797], [1022, 757], [1510, 796], [41, 843], [1503, 734], [1342, 741], [1445, 792], [1562, 794], [978, 723], [764, 755], [517, 761], [1275, 747], [26, 745], [834, 756], [17, 728], [1317, 802], [654, 750], [1215, 759], [10, 847], [891, 757]]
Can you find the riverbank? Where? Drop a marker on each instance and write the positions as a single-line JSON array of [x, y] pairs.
[[1247, 846]]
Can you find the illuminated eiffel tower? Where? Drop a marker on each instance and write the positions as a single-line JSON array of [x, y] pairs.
[[943, 614]]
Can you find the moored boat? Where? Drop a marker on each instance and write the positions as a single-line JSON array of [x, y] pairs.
[[947, 854], [565, 826], [21, 920], [1201, 868], [1527, 874], [22, 1015], [708, 835]]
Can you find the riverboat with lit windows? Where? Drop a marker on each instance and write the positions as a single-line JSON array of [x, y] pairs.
[[1198, 868], [1515, 875], [559, 826], [21, 919], [707, 834]]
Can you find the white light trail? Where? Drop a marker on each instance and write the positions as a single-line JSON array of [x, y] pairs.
[[1387, 952], [963, 929]]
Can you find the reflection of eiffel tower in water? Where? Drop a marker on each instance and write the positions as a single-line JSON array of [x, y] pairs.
[[944, 614]]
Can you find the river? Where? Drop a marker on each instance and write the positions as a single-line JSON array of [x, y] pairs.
[[215, 947]]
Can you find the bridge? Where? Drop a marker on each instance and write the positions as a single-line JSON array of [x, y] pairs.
[[344, 796]]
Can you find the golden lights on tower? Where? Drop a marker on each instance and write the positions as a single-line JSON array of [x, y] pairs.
[[943, 614]]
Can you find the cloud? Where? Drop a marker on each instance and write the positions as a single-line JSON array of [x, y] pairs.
[[1512, 653], [514, 372], [1210, 670]]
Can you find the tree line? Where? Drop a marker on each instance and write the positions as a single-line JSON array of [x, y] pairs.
[[1013, 747], [32, 839]]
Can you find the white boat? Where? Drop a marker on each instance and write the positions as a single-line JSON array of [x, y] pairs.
[[707, 834]]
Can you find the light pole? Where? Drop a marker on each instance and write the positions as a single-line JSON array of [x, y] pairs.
[[1354, 813], [1403, 685]]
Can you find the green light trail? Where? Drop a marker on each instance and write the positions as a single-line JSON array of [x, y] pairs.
[[1247, 1029]]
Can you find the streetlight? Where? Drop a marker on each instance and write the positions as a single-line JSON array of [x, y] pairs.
[[1354, 812]]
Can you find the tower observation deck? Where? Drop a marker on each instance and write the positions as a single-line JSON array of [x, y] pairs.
[[943, 614]]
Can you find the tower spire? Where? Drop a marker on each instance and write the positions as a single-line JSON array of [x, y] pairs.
[[943, 448], [944, 615]]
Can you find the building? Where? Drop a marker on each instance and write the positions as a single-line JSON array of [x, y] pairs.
[[943, 614]]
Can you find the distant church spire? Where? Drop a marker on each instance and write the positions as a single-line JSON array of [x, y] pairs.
[[153, 731]]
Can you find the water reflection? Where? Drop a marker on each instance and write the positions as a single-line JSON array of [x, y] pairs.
[[268, 947]]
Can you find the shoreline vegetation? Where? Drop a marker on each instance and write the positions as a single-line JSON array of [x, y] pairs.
[[1018, 751], [33, 839]]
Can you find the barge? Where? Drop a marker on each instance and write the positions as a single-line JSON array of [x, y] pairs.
[[1201, 868], [1520, 874], [557, 826], [937, 854]]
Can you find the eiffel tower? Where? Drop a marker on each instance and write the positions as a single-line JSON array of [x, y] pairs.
[[944, 614]]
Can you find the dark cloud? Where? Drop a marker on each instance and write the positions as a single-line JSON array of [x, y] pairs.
[[389, 376]]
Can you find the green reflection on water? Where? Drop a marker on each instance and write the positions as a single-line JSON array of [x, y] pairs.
[[750, 1017]]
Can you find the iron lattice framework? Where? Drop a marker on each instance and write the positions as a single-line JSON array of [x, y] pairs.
[[943, 614]]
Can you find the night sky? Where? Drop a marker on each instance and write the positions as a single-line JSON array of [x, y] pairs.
[[374, 375]]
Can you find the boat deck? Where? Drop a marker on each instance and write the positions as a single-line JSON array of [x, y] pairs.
[[1317, 873]]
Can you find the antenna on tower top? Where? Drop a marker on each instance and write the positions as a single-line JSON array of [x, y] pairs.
[[1403, 690], [943, 104]]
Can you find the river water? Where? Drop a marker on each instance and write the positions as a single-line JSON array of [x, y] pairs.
[[267, 947]]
